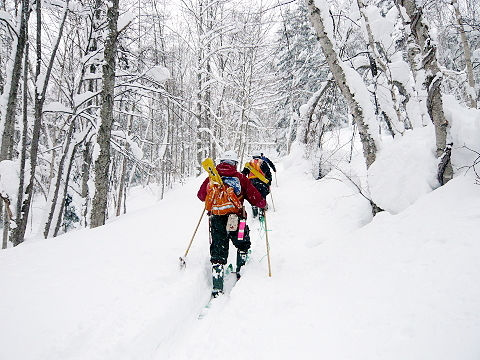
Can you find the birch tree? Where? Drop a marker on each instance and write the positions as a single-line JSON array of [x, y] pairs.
[[423, 58], [362, 112]]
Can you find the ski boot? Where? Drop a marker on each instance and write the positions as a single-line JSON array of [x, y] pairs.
[[217, 276], [261, 216]]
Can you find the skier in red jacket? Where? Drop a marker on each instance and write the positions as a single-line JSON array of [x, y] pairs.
[[218, 223]]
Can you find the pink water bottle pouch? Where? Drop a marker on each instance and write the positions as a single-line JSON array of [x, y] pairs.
[[241, 229]]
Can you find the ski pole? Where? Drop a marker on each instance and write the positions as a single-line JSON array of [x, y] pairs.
[[268, 245], [271, 195], [182, 259], [276, 182]]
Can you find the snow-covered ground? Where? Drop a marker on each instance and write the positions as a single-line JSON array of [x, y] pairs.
[[403, 285]]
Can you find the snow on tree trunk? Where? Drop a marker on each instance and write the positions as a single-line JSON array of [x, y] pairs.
[[378, 57], [423, 54], [347, 80], [102, 162]]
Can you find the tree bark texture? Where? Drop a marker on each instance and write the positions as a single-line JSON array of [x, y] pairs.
[[102, 163]]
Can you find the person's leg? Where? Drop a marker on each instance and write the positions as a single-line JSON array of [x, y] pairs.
[[220, 238], [242, 248], [218, 251], [217, 279]]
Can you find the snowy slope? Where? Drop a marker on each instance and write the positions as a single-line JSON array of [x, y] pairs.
[[344, 286]]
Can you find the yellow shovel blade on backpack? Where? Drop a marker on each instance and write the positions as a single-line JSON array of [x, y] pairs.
[[210, 168], [256, 173]]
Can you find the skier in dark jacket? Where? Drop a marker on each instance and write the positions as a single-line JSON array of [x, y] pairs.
[[261, 166], [268, 161], [220, 236]]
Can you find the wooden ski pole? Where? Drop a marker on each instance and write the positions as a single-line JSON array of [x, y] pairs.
[[268, 245], [182, 259]]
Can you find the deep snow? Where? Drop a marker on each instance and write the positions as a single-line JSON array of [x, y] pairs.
[[403, 285]]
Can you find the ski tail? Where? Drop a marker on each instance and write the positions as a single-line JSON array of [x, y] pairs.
[[210, 168]]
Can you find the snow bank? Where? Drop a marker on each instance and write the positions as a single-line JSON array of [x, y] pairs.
[[465, 132], [404, 171]]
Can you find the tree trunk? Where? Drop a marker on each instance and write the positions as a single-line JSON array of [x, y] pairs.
[[102, 163], [84, 192], [61, 211], [472, 97], [123, 169], [54, 203], [23, 152], [6, 227], [333, 60], [6, 150], [422, 43], [201, 152], [304, 128]]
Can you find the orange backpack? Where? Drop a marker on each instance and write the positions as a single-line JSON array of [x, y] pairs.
[[221, 199]]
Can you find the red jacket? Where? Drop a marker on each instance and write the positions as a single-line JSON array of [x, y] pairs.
[[249, 192]]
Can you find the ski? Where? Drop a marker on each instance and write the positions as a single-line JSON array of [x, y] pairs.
[[205, 310], [229, 283], [256, 173], [210, 168]]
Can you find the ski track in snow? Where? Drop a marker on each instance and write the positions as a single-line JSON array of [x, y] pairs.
[[403, 286]]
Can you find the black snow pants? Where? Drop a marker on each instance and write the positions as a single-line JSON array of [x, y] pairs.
[[221, 238]]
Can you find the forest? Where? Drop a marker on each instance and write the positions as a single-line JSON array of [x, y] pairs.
[[98, 97]]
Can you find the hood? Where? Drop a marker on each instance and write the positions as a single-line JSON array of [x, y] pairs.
[[225, 169]]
